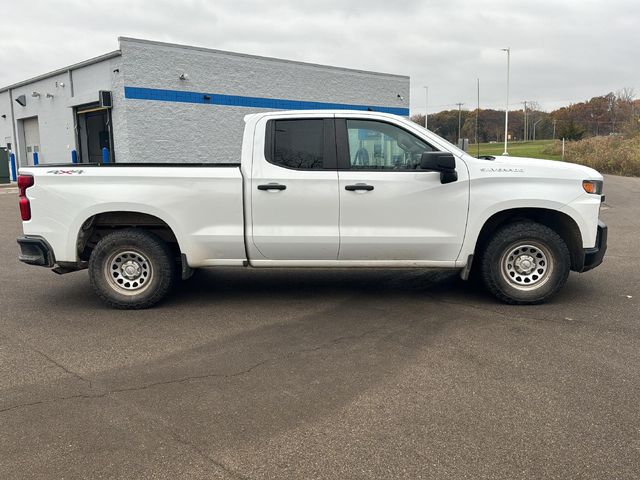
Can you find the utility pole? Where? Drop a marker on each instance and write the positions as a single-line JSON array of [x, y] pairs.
[[524, 135], [506, 111], [459, 120], [426, 107], [554, 129]]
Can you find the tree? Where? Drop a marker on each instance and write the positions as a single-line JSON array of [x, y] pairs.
[[570, 130], [601, 115]]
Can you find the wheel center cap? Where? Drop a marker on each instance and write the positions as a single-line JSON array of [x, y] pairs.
[[131, 269], [525, 264]]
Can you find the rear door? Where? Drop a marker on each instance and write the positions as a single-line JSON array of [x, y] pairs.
[[294, 189], [390, 209]]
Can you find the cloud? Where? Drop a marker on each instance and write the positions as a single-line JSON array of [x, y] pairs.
[[561, 51]]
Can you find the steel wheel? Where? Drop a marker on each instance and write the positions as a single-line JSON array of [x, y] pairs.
[[525, 263], [132, 268], [129, 272], [526, 266]]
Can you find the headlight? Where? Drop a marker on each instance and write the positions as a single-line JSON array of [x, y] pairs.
[[592, 186]]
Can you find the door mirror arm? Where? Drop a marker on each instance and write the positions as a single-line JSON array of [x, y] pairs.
[[443, 162]]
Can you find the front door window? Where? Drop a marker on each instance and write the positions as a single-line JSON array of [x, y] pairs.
[[380, 146]]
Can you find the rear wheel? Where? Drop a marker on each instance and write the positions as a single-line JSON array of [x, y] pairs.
[[131, 269], [525, 263]]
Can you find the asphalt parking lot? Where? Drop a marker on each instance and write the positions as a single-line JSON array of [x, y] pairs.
[[323, 374]]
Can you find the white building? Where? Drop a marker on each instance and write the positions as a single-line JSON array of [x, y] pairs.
[[173, 103]]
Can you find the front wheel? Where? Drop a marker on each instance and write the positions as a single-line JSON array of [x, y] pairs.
[[131, 269], [525, 263]]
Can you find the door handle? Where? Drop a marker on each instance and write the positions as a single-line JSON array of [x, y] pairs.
[[359, 186], [272, 186]]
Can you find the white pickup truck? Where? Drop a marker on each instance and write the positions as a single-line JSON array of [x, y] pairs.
[[317, 189]]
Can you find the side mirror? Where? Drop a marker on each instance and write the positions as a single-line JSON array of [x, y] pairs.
[[443, 162]]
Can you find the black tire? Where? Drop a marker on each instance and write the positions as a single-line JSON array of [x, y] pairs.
[[131, 269], [525, 263]]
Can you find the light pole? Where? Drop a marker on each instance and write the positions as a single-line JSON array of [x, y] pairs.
[[506, 112], [426, 107], [459, 120], [524, 134], [477, 118], [534, 128]]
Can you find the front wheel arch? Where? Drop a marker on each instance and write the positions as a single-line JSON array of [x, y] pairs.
[[559, 222]]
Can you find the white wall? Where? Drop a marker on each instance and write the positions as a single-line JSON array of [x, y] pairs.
[[55, 119], [168, 131], [89, 80], [163, 131], [6, 132]]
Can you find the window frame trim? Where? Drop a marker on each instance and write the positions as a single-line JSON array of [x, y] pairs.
[[342, 145], [329, 157]]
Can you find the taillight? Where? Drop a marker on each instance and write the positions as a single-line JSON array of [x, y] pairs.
[[24, 182]]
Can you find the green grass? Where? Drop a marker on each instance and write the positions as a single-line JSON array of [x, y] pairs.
[[516, 149]]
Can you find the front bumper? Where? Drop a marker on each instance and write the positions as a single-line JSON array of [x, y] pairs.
[[36, 251], [594, 256]]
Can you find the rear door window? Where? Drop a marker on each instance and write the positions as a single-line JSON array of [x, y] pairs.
[[297, 144]]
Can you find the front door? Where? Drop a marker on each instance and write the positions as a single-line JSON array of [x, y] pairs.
[[294, 190], [390, 210]]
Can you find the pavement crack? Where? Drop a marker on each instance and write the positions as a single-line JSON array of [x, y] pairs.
[[21, 405], [68, 371], [63, 368], [176, 437], [239, 373], [191, 378]]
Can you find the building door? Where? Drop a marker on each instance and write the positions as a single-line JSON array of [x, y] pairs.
[[94, 134], [31, 139], [4, 165]]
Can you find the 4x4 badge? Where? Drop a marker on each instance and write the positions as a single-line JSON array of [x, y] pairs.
[[65, 172]]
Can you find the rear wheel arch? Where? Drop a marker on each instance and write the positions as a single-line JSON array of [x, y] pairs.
[[97, 226], [560, 222]]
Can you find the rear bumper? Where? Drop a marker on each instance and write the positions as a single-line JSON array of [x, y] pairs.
[[594, 256], [36, 251]]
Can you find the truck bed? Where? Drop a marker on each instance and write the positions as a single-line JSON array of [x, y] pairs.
[[201, 203]]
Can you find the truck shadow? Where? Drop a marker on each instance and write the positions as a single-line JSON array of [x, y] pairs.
[[288, 283]]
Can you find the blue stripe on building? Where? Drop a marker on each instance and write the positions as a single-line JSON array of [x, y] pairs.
[[140, 93]]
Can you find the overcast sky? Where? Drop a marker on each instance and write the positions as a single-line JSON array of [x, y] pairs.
[[562, 51]]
